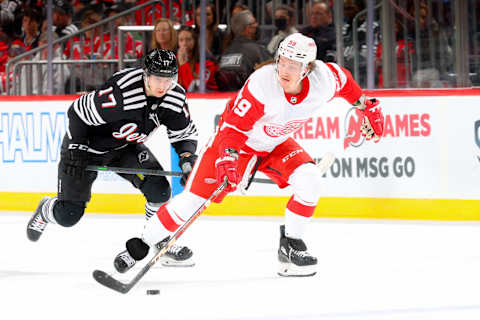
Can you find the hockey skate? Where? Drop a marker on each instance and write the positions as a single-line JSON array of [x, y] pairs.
[[294, 259], [37, 223], [176, 256], [123, 262]]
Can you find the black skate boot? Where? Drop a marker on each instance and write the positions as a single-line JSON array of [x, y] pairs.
[[137, 249], [294, 259], [37, 223], [177, 256], [123, 262]]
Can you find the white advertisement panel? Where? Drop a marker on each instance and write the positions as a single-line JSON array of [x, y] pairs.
[[431, 148]]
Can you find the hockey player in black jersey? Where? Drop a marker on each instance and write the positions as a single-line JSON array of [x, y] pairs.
[[109, 126]]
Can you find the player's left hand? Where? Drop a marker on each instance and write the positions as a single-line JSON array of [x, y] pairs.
[[372, 124], [186, 163]]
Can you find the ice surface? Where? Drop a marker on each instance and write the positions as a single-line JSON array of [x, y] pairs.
[[367, 270]]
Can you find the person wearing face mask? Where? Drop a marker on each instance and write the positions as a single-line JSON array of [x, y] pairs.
[[284, 22], [242, 52], [322, 30]]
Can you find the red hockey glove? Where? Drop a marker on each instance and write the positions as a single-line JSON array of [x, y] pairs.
[[226, 166], [372, 124]]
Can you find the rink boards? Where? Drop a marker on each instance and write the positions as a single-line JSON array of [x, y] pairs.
[[426, 167]]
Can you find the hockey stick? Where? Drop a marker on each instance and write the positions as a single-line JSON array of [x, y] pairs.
[[153, 172], [110, 282], [114, 284]]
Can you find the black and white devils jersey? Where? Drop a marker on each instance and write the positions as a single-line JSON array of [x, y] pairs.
[[120, 113]]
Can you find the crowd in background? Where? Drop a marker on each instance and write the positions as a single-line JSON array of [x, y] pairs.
[[234, 50]]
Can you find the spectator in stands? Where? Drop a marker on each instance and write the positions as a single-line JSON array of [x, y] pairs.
[[62, 18], [34, 79], [86, 77], [270, 8], [11, 18], [351, 9], [404, 51], [242, 52], [15, 48], [430, 66], [237, 8], [322, 31], [31, 23], [153, 12], [284, 21], [3, 51], [188, 57], [132, 48], [91, 17], [164, 35], [79, 8], [215, 36]]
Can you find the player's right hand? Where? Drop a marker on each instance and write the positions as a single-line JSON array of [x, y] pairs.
[[75, 160], [226, 166]]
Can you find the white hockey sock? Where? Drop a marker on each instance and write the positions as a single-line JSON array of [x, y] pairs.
[[295, 225], [47, 210], [297, 215]]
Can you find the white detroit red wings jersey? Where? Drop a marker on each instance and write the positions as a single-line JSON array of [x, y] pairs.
[[262, 115]]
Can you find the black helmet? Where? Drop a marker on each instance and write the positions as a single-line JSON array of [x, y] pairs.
[[161, 63]]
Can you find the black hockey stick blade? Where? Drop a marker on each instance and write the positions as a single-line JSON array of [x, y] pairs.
[[108, 281]]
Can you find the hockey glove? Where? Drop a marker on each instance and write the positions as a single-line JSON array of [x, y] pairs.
[[186, 163], [226, 166], [75, 160], [372, 124]]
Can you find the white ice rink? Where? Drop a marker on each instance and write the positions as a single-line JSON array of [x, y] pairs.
[[367, 270]]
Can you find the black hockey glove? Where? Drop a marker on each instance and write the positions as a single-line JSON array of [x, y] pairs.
[[75, 160], [186, 163]]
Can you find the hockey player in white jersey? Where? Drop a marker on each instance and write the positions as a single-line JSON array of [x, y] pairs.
[[275, 101]]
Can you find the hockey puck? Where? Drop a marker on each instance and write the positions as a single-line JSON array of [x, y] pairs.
[[153, 291]]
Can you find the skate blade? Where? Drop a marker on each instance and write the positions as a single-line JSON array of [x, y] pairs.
[[292, 270], [168, 262]]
